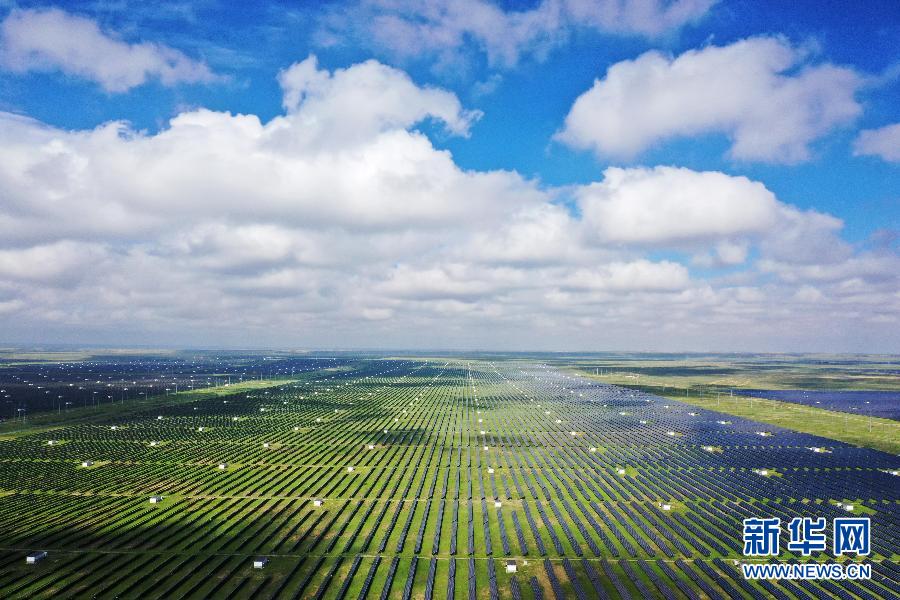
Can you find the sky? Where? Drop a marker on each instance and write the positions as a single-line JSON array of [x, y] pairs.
[[579, 175]]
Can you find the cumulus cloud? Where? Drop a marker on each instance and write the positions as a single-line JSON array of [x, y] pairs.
[[365, 99], [451, 28], [763, 93], [57, 263], [806, 237], [317, 170], [543, 234], [637, 275], [883, 142], [668, 204], [51, 40], [301, 230]]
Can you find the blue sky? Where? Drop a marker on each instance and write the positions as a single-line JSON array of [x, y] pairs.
[[785, 169]]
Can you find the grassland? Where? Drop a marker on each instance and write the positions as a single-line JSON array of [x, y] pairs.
[[859, 430], [708, 382], [19, 356], [721, 373]]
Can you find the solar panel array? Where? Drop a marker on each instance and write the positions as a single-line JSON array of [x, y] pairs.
[[580, 470]]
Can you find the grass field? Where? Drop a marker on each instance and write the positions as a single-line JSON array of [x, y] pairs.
[[458, 467], [721, 373], [709, 383], [859, 430]]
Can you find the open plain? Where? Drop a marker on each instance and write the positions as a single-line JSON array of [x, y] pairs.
[[446, 477]]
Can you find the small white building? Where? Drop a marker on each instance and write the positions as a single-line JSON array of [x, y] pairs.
[[620, 471], [35, 557], [490, 469], [318, 502], [154, 443], [260, 563], [511, 566], [51, 442], [349, 469], [371, 446], [666, 507], [593, 448], [223, 466], [87, 463], [156, 499], [266, 445], [497, 504]]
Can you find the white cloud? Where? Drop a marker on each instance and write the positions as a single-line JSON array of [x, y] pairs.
[[883, 142], [637, 275], [58, 263], [731, 253], [452, 281], [806, 237], [544, 234], [451, 28], [316, 171], [302, 231], [366, 99], [667, 205], [877, 269], [763, 93], [808, 294], [51, 39], [645, 17]]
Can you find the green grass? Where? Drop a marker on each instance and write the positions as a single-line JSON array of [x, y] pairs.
[[21, 356], [722, 373], [859, 430], [706, 382]]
